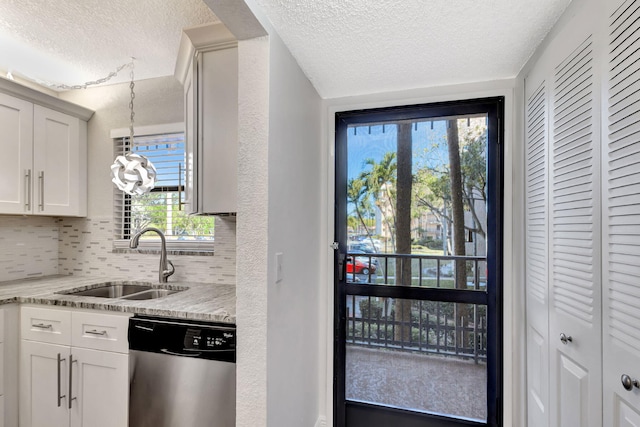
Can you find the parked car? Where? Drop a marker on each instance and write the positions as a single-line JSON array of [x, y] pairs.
[[364, 247], [359, 267]]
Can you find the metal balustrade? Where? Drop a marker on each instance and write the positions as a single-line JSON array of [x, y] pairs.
[[444, 328]]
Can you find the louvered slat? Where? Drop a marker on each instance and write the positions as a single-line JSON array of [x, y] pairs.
[[536, 184], [623, 180], [573, 185]]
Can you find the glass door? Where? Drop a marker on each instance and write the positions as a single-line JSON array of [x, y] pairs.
[[419, 265]]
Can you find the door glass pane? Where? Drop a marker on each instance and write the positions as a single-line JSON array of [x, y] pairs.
[[417, 217], [418, 188], [425, 356]]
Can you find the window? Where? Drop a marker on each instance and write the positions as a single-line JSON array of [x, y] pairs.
[[162, 207]]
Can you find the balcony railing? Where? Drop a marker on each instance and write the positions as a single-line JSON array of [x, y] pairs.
[[434, 327]]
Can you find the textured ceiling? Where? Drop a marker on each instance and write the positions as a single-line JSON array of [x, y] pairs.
[[74, 41], [346, 47], [367, 46]]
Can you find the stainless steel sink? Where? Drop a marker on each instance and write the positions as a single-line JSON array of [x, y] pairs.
[[123, 290], [150, 294]]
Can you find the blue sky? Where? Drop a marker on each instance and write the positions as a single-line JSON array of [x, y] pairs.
[[366, 142]]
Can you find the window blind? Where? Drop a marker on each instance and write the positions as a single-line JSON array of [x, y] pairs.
[[160, 208]]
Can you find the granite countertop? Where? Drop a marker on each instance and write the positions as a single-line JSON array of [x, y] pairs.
[[201, 301]]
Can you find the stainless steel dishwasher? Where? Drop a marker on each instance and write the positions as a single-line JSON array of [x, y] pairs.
[[182, 373]]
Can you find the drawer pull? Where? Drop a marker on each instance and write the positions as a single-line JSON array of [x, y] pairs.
[[96, 332], [42, 326]]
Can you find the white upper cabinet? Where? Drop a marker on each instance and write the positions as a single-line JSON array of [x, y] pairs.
[[59, 163], [16, 140], [208, 68], [44, 155]]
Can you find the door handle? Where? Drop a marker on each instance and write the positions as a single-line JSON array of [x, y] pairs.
[[629, 383], [71, 398], [41, 182], [27, 190], [565, 339], [342, 266], [60, 396]]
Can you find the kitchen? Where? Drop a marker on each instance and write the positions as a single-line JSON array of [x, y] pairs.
[[283, 305]]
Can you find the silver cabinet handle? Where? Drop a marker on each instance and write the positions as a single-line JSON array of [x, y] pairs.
[[27, 190], [42, 326], [60, 396], [629, 383], [96, 332], [41, 182], [565, 339], [71, 398]]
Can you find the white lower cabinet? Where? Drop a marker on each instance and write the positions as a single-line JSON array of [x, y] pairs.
[[62, 385], [43, 384]]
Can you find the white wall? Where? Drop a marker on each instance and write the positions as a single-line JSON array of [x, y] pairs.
[[252, 232], [513, 219], [279, 211], [294, 231]]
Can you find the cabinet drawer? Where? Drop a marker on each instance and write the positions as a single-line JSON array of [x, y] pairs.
[[100, 331], [46, 325]]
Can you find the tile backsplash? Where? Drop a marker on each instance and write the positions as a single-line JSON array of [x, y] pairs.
[[28, 247], [83, 246]]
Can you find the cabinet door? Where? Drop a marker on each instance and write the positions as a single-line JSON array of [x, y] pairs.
[[16, 137], [60, 163], [217, 163], [43, 379], [190, 135], [621, 212], [99, 388]]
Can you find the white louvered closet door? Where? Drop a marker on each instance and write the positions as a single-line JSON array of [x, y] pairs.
[[537, 242], [575, 292], [563, 232], [621, 208]]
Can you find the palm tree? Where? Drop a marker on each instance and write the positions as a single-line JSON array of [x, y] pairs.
[[380, 182], [403, 224], [358, 195]]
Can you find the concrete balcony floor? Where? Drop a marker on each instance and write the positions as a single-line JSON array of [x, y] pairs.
[[432, 383]]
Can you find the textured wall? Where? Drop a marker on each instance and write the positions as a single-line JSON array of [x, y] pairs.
[[252, 232], [28, 247]]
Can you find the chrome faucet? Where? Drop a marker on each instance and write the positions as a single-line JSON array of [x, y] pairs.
[[163, 272]]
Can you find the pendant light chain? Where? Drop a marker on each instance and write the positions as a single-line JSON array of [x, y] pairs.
[[133, 96], [100, 81], [133, 173]]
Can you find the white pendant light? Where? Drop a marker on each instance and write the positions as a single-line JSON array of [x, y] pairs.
[[133, 173]]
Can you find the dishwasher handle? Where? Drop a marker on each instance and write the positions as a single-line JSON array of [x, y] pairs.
[[173, 353]]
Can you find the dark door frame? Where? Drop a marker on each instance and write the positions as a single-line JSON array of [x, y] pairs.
[[347, 412]]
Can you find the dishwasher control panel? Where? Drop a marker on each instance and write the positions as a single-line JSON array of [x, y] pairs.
[[175, 337], [209, 339]]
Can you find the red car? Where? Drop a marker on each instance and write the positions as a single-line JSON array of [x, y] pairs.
[[359, 267]]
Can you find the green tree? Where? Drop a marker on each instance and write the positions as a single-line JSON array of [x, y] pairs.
[[433, 180], [358, 195], [380, 182]]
